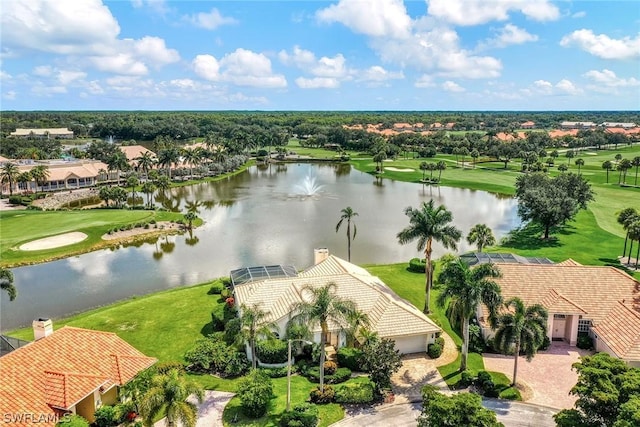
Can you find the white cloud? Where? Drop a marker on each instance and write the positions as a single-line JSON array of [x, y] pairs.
[[317, 83], [158, 6], [334, 67], [450, 86], [608, 78], [475, 12], [580, 14], [44, 90], [377, 18], [424, 81], [5, 76], [437, 49], [10, 95], [94, 88], [154, 50], [602, 45], [378, 74], [42, 70], [67, 76], [241, 67], [563, 87], [211, 20], [509, 35], [121, 63], [301, 58]]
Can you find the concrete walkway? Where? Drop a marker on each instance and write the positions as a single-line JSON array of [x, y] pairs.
[[209, 411]]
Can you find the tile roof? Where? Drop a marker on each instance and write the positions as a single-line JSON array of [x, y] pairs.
[[42, 131], [57, 371], [595, 292], [622, 330], [389, 315], [134, 151]]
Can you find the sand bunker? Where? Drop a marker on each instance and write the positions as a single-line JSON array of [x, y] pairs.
[[54, 241], [392, 169]]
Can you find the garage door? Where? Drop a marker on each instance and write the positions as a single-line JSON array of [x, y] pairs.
[[413, 344]]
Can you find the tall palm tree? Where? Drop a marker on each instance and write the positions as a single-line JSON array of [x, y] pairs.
[[379, 158], [9, 174], [255, 323], [466, 288], [440, 166], [633, 231], [626, 217], [426, 225], [424, 166], [579, 163], [192, 158], [23, 179], [6, 283], [357, 322], [190, 217], [117, 162], [319, 307], [148, 188], [40, 175], [624, 166], [168, 157], [349, 215], [523, 328], [132, 182], [482, 236], [169, 392], [636, 162], [608, 166], [145, 161]]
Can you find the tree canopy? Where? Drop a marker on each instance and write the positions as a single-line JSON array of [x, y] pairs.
[[460, 410]]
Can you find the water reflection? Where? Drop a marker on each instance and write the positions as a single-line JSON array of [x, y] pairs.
[[250, 219]]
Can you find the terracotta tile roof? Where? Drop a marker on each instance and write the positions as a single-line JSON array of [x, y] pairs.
[[63, 368], [528, 123], [389, 314], [62, 172], [560, 133], [571, 288], [134, 151], [622, 330]]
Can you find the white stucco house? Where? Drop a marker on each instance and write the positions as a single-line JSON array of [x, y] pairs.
[[389, 315]]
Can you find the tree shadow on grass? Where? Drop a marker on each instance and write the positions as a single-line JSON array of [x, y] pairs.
[[529, 237], [207, 329]]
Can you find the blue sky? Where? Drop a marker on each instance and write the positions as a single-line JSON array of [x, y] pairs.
[[308, 55]]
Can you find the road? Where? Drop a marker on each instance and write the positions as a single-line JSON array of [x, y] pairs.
[[511, 414]]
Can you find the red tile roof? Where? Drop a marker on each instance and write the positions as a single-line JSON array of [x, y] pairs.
[[58, 371]]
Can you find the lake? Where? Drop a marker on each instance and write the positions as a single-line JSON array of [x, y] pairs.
[[262, 216]]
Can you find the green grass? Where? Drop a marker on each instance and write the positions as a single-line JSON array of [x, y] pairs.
[[300, 389], [18, 227]]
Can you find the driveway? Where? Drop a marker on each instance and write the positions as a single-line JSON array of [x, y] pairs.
[[549, 373], [209, 411]]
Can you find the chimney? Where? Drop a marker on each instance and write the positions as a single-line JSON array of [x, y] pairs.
[[42, 328], [319, 255]]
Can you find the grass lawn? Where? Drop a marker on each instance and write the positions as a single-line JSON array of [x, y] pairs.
[[18, 227], [410, 286]]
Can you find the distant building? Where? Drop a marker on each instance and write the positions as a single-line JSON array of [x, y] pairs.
[[63, 175], [43, 133], [577, 125], [528, 125], [625, 125]]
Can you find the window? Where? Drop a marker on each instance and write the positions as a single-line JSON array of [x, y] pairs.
[[584, 325], [559, 316]]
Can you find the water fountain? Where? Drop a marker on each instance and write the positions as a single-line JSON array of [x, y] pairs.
[[110, 140], [308, 187]]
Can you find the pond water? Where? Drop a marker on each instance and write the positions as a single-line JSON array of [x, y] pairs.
[[273, 214]]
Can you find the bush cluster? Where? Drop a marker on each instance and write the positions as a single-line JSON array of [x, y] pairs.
[[216, 289], [350, 357], [272, 351], [255, 391], [341, 375], [278, 372], [212, 354], [585, 342], [303, 415], [434, 350], [317, 396], [355, 393], [417, 265], [330, 367], [485, 383], [73, 421]]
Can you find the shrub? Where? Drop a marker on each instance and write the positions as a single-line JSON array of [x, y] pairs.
[[217, 322], [546, 343], [15, 200], [236, 364], [225, 293], [330, 367], [349, 357], [341, 375], [317, 396], [231, 331], [255, 391], [216, 289], [434, 350], [106, 416], [212, 354], [440, 341], [417, 265], [272, 351], [476, 342], [278, 372], [72, 420], [584, 341], [230, 312], [303, 415], [466, 378], [355, 393], [165, 367], [486, 384]]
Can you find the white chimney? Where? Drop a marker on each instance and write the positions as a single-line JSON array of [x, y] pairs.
[[319, 255], [42, 328]]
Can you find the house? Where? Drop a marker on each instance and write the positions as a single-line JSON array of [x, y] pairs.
[[400, 127], [43, 133], [624, 125], [562, 133], [132, 152], [577, 125], [71, 370], [63, 175], [389, 315], [603, 302], [528, 125]]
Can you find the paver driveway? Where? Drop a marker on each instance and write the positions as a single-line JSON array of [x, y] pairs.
[[549, 373]]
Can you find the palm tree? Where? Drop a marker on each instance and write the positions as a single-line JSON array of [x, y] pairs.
[[148, 188], [563, 168], [191, 158], [636, 162], [626, 217], [633, 231], [132, 182], [482, 236], [319, 307], [254, 323], [579, 163], [9, 174], [357, 322], [608, 166], [474, 155], [379, 158], [167, 158], [440, 166], [169, 393], [190, 217], [570, 154], [466, 288], [426, 225], [424, 166], [40, 175], [117, 162], [6, 283], [624, 166], [23, 178], [348, 214], [145, 162], [522, 327]]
